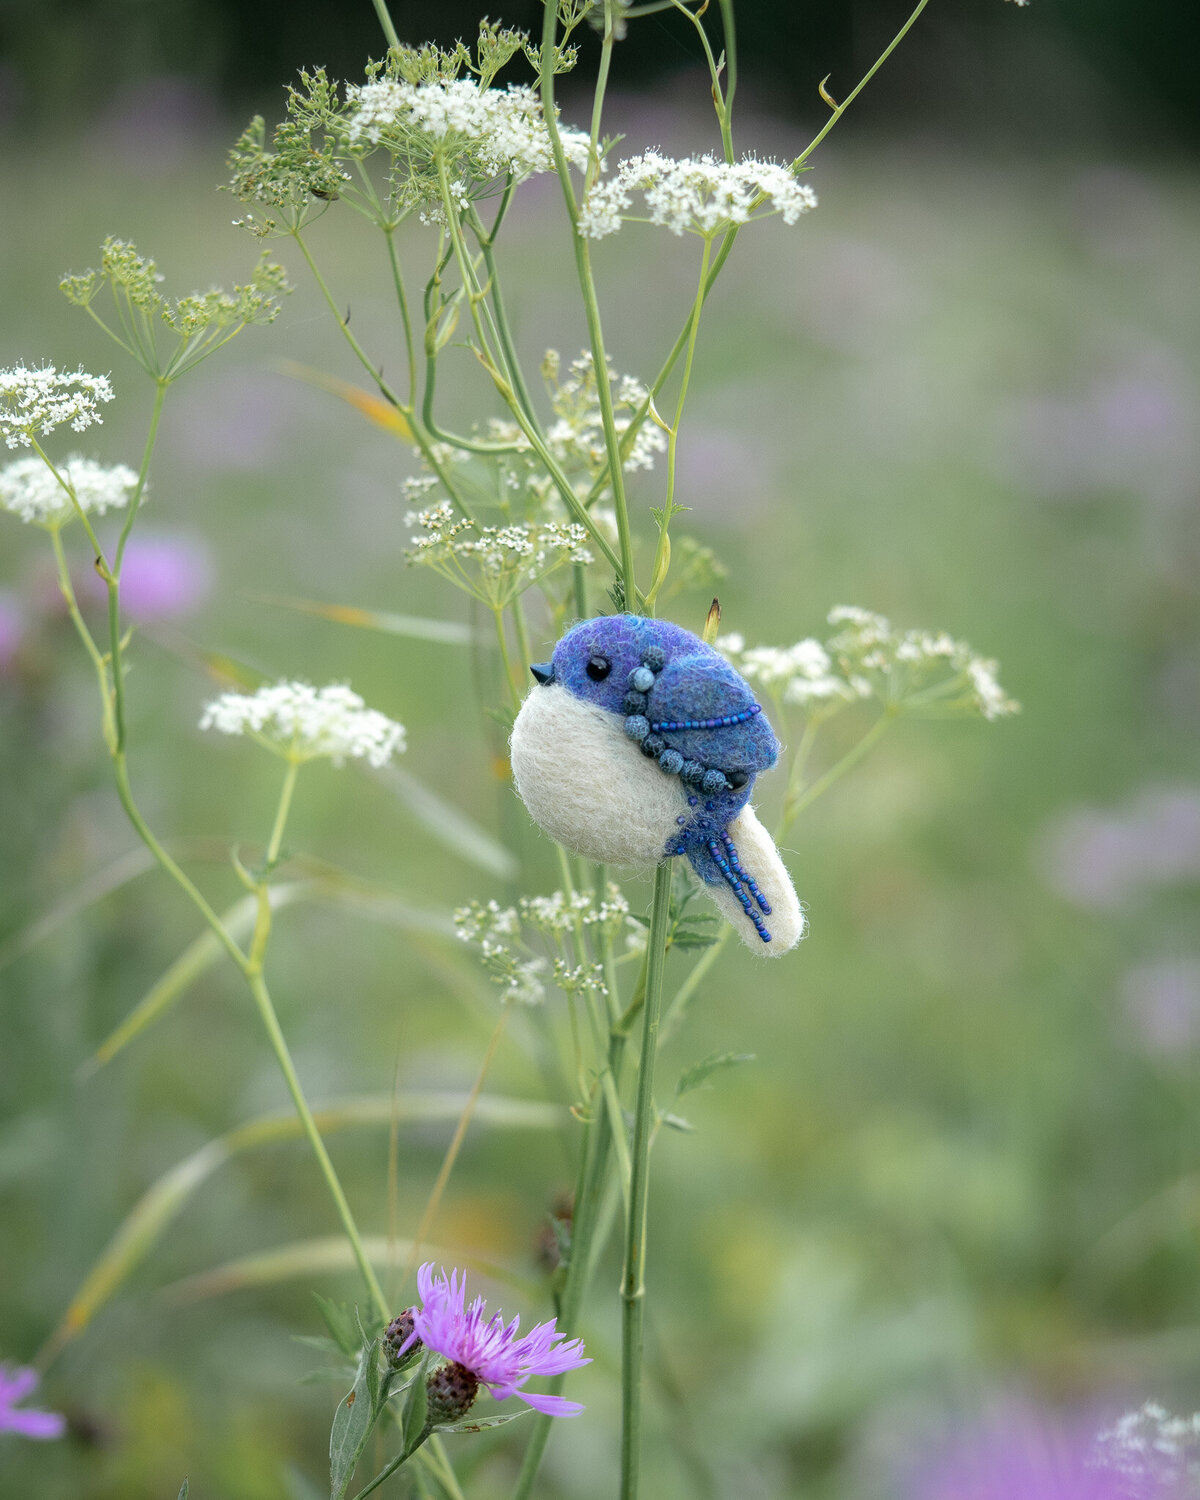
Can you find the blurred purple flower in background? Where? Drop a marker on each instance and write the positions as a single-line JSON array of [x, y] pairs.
[[163, 575], [16, 1383], [12, 628], [1162, 1000], [1103, 859], [1019, 1456]]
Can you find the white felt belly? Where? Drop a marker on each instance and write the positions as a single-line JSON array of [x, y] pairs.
[[760, 858], [586, 783]]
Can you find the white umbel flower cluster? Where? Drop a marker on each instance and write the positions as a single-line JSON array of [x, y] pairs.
[[38, 401], [697, 194], [802, 673], [916, 671], [301, 722], [502, 129], [30, 489], [1156, 1454]]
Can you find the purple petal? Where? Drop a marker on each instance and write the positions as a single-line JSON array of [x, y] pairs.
[[35, 1424], [553, 1406], [16, 1383]]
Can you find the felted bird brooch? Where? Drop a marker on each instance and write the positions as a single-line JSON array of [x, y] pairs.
[[640, 743]]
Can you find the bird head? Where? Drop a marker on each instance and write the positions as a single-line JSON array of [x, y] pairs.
[[599, 660]]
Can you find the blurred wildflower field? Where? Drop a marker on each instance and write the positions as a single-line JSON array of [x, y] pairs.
[[961, 1177]]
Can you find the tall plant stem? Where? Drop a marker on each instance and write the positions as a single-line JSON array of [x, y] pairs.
[[455, 1146], [385, 22], [840, 109], [587, 287], [283, 1056], [633, 1280], [798, 800]]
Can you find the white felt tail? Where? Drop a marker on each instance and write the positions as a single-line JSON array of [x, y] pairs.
[[760, 858]]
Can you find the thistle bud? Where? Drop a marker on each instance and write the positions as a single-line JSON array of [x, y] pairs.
[[396, 1334], [450, 1392]]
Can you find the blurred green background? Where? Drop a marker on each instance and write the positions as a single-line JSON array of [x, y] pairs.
[[963, 393]]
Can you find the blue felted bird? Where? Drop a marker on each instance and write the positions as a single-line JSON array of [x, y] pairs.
[[640, 743]]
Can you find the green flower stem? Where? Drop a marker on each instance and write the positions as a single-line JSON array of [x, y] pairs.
[[514, 690], [587, 287], [589, 1196], [402, 302], [420, 436], [840, 109], [662, 554], [633, 1281], [455, 1146], [721, 99], [67, 589], [385, 22], [114, 573], [283, 1056], [606, 51], [798, 800], [281, 813], [504, 336]]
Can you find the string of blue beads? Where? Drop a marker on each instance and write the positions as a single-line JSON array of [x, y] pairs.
[[748, 879], [734, 881], [724, 723]]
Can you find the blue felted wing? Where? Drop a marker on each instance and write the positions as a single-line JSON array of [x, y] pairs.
[[698, 688]]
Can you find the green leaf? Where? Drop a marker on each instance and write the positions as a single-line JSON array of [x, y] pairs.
[[341, 1322], [481, 1424], [183, 1491], [699, 1073], [196, 959], [417, 1403], [414, 627], [677, 1122], [353, 1421], [451, 826]]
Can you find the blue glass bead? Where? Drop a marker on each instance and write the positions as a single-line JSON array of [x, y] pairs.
[[671, 762], [712, 782], [710, 805], [693, 772], [641, 679], [655, 658], [692, 801], [637, 726], [634, 703], [681, 819], [654, 745]]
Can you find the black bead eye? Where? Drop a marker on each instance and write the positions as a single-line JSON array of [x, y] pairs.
[[598, 668]]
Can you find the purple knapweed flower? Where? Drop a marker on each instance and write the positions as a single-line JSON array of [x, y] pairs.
[[16, 1383], [162, 576], [492, 1353]]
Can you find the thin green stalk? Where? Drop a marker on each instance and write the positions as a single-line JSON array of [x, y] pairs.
[[661, 554], [587, 286], [281, 813], [514, 687], [455, 1146], [283, 1056], [402, 301], [796, 804], [633, 1280], [840, 109], [385, 22], [504, 336], [67, 590]]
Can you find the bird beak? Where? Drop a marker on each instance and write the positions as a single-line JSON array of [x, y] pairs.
[[544, 672]]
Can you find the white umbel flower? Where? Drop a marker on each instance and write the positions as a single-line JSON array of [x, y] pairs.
[[802, 673], [699, 194], [301, 722], [30, 490], [38, 401], [501, 130]]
